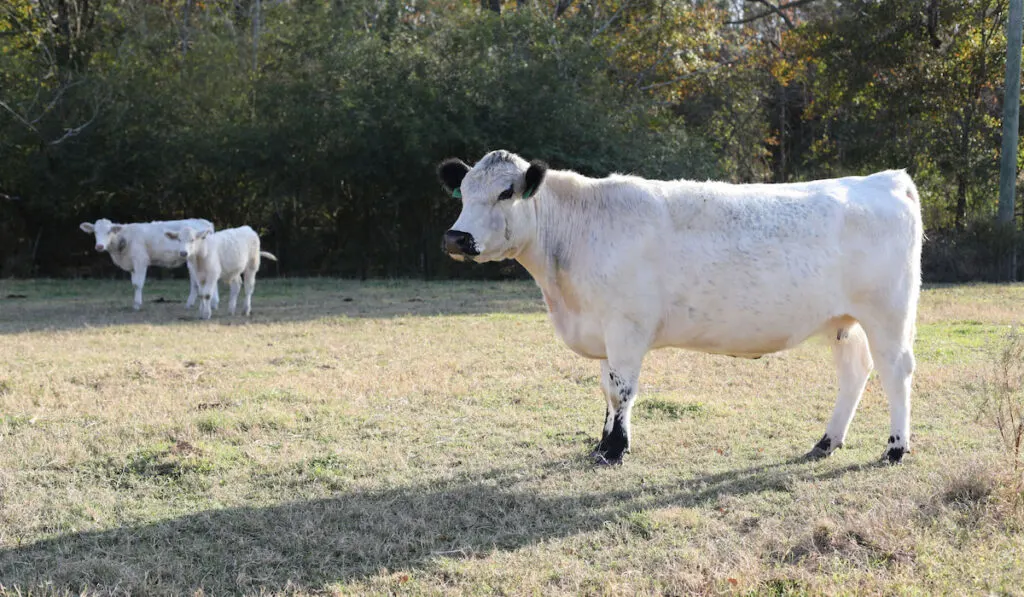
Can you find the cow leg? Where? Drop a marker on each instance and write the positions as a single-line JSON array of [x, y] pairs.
[[853, 363], [620, 387], [193, 286], [611, 407], [215, 296], [236, 285], [250, 286], [620, 377], [892, 350], [138, 281], [206, 288]]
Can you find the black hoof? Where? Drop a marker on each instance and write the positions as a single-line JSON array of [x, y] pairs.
[[817, 453], [822, 449], [894, 455]]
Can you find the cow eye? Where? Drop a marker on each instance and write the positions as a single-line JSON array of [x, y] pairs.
[[507, 193]]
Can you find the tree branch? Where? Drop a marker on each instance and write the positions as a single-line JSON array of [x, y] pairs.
[[20, 118], [611, 20], [772, 9]]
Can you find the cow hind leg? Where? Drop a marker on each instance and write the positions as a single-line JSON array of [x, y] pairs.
[[250, 286], [852, 357], [892, 350], [236, 285]]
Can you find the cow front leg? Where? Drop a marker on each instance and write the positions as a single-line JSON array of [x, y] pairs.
[[207, 288], [611, 407], [620, 383], [193, 286], [138, 281]]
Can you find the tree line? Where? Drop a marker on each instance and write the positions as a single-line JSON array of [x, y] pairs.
[[320, 122]]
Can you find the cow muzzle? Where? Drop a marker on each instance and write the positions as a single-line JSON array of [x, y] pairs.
[[183, 253], [100, 247], [459, 244]]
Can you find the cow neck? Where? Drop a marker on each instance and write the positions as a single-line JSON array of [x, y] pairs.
[[203, 254], [119, 252], [544, 256]]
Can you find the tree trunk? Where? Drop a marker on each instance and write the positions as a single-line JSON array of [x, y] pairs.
[[961, 203]]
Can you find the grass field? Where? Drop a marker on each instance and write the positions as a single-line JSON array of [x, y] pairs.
[[431, 438]]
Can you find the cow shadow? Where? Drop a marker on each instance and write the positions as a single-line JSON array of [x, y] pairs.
[[305, 545]]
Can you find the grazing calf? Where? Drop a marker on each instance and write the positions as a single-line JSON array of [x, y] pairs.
[[627, 265], [135, 247], [231, 254]]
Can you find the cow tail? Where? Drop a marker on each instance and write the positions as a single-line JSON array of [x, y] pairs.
[[268, 255]]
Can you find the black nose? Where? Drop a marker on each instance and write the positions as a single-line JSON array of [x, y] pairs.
[[457, 242], [183, 253]]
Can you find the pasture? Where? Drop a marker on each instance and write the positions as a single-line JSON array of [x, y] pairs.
[[432, 438]]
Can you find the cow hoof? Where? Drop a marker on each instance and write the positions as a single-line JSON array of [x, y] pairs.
[[604, 459], [817, 453], [822, 449], [894, 455]]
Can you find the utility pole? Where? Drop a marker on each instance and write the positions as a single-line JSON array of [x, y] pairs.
[[257, 9], [1011, 116]]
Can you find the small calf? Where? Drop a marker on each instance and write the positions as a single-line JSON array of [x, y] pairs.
[[135, 247], [232, 254]]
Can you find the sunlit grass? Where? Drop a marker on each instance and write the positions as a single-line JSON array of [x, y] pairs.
[[431, 438]]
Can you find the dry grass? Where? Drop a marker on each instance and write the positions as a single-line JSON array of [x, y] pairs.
[[420, 438]]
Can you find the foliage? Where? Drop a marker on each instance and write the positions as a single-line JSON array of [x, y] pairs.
[[319, 122]]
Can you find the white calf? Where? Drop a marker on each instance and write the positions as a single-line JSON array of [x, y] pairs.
[[231, 254], [135, 247], [627, 265]]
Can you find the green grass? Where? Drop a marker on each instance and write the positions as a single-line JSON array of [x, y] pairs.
[[431, 438]]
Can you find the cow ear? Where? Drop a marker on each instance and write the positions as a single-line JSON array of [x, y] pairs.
[[203, 234], [171, 235], [451, 172], [87, 227], [116, 228], [533, 178]]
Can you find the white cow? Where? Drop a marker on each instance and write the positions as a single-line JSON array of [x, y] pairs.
[[226, 255], [627, 265], [135, 247]]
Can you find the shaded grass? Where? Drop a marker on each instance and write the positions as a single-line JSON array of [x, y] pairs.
[[432, 438]]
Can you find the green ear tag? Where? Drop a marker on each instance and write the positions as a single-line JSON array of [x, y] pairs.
[[457, 193], [528, 193]]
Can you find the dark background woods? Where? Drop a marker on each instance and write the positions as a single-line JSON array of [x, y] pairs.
[[319, 122]]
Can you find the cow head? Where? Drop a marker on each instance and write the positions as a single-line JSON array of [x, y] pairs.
[[495, 194], [105, 231], [189, 241]]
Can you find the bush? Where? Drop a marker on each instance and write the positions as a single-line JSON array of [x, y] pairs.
[[983, 251]]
